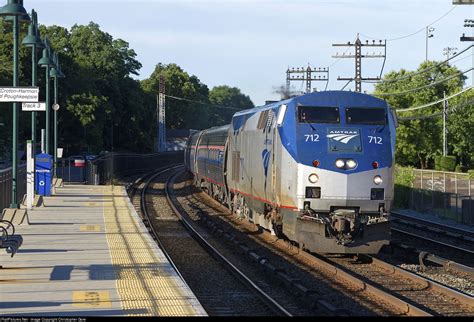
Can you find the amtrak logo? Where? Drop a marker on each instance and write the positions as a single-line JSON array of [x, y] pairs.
[[343, 136], [266, 160]]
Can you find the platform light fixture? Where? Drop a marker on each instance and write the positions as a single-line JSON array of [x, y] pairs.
[[47, 62], [33, 40], [14, 12], [55, 74]]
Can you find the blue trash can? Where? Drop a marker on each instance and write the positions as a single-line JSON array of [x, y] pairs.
[[43, 168]]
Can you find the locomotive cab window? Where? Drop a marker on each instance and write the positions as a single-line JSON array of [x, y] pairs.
[[369, 116], [318, 114]]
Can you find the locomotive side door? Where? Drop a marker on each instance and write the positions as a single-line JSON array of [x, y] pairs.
[[276, 155]]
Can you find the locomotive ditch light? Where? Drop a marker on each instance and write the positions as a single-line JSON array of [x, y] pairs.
[[315, 163], [340, 163], [375, 165], [313, 178], [378, 180], [351, 164]]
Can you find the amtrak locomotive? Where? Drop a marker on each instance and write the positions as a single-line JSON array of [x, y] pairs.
[[316, 169]]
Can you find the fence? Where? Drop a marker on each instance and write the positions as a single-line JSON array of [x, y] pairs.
[[70, 173], [6, 185], [446, 194], [116, 166], [444, 204], [451, 182]]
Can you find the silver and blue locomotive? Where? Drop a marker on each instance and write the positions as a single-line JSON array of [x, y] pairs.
[[316, 169]]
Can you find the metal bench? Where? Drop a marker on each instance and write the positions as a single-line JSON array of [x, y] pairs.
[[9, 241]]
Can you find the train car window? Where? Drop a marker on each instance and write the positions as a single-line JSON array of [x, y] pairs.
[[375, 116], [281, 114], [318, 114]]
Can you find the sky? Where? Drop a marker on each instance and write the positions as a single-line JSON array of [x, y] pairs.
[[250, 44]]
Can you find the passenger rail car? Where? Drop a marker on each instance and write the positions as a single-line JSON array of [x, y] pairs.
[[316, 169]]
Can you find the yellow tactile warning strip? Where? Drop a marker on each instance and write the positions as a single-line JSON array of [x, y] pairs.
[[146, 281], [89, 228], [91, 299]]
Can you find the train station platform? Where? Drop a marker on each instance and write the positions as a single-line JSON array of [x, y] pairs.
[[87, 253]]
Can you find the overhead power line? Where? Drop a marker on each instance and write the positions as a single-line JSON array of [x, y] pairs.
[[421, 117], [204, 103], [420, 71], [433, 103], [358, 60], [426, 86], [450, 109], [416, 32]]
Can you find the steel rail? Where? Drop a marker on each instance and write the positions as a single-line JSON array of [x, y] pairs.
[[433, 241], [347, 277], [144, 209], [278, 308], [426, 256], [461, 297], [455, 230]]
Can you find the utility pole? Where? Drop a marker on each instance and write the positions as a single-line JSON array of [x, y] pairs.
[[429, 34], [445, 118], [161, 115], [469, 23], [448, 51], [307, 76], [358, 60]]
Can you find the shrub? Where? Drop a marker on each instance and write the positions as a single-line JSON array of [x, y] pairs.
[[448, 163], [437, 162], [404, 178], [460, 168], [471, 174]]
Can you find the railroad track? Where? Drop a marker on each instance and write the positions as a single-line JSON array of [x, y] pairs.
[[427, 294], [410, 293], [221, 288], [455, 232], [454, 244]]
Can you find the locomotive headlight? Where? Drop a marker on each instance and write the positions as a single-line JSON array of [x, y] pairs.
[[313, 178], [351, 164], [378, 180], [340, 163]]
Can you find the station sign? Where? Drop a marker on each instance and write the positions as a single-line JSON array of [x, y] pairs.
[[19, 94], [33, 107]]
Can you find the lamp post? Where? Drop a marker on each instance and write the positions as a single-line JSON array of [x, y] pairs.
[[17, 13], [429, 34], [56, 73], [47, 63], [469, 23], [447, 51], [33, 40]]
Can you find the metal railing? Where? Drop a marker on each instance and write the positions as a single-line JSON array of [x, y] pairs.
[[6, 185], [450, 182], [115, 166], [457, 207]]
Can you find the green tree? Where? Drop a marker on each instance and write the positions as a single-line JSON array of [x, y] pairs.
[[103, 104], [180, 114], [418, 141], [228, 97], [461, 128]]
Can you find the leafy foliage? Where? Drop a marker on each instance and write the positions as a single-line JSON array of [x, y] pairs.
[[227, 96], [102, 106], [419, 141], [404, 178], [198, 100]]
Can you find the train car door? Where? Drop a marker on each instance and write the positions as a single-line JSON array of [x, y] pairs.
[[276, 155]]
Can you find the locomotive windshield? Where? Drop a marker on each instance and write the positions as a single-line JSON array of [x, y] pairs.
[[375, 116], [318, 114]]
